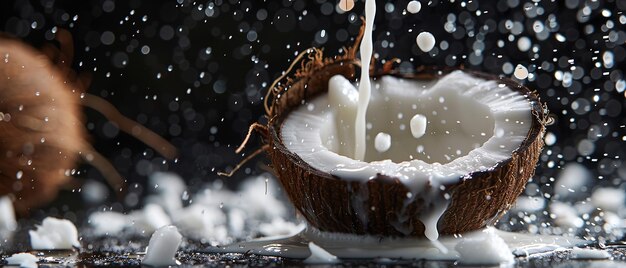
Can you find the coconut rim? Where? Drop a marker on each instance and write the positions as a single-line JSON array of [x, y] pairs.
[[537, 109]]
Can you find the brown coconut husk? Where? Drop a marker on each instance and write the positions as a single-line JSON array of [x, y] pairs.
[[42, 133], [478, 199]]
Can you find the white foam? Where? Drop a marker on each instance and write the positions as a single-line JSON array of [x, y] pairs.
[[54, 234], [162, 247], [24, 260]]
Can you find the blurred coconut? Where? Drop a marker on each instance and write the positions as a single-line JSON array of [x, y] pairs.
[[42, 130], [41, 121]]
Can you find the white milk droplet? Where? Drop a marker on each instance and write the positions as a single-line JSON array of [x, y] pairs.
[[382, 142], [414, 7], [418, 125], [520, 72], [550, 139], [523, 44], [425, 41]]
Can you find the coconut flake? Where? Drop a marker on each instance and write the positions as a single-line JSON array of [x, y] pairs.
[[611, 199], [169, 189], [161, 250], [320, 256], [203, 223], [487, 248], [565, 215], [8, 224], [529, 204], [25, 260], [54, 234], [571, 180], [150, 218], [108, 222], [94, 192], [236, 221]]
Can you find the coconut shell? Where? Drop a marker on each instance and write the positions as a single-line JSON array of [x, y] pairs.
[[41, 130], [328, 203]]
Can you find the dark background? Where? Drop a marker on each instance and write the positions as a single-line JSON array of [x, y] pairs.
[[209, 63]]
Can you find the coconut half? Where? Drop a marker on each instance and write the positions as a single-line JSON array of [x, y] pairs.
[[481, 142]]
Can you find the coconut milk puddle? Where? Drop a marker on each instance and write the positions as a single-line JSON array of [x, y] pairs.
[[369, 247]]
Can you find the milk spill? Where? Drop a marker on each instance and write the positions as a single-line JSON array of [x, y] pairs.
[[359, 247]]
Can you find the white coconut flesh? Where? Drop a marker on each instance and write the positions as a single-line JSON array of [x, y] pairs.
[[471, 125]]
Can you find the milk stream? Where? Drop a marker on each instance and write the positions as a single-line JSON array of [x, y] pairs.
[[364, 84]]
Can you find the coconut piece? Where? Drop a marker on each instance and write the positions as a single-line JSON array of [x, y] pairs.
[[476, 198], [54, 234], [349, 200], [108, 222], [486, 248], [8, 224], [320, 256], [25, 260], [150, 218], [162, 247], [41, 125], [611, 199]]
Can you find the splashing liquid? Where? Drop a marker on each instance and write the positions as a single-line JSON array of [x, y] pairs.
[[364, 83]]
